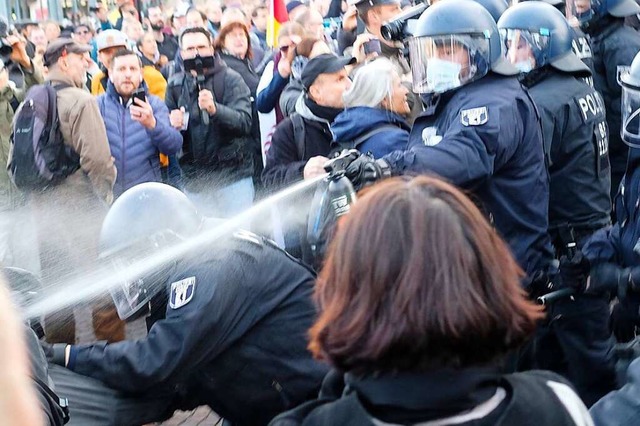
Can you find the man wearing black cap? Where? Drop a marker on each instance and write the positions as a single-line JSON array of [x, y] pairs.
[[69, 215], [325, 80], [301, 143]]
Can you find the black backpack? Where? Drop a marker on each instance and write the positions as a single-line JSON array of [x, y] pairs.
[[38, 157]]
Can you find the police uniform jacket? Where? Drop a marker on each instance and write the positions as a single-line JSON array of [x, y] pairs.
[[486, 137], [620, 244], [613, 45], [621, 407], [575, 139], [575, 136], [235, 335]]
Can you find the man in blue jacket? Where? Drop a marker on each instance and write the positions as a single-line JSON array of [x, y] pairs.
[[137, 130]]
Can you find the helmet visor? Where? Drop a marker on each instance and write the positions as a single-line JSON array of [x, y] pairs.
[[524, 49], [137, 282], [132, 295], [631, 116], [443, 63]]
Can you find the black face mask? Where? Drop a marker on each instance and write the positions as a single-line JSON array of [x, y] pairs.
[[198, 63]]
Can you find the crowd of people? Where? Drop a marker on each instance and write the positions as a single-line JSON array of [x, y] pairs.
[[524, 118]]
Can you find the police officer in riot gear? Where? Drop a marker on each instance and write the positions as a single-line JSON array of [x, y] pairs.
[[581, 45], [538, 42], [614, 253], [612, 45], [480, 129], [236, 315]]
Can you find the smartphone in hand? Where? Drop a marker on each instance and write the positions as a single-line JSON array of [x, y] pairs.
[[372, 46], [139, 93]]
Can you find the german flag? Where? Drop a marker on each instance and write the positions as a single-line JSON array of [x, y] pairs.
[[277, 16]]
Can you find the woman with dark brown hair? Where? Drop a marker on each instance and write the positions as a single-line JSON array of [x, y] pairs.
[[234, 46], [419, 302]]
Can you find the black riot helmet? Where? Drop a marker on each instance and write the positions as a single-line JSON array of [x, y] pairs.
[[495, 7], [145, 219], [455, 42], [536, 34], [629, 79]]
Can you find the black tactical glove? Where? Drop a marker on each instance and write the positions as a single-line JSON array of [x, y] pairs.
[[55, 352], [611, 277], [365, 170], [574, 272], [625, 317]]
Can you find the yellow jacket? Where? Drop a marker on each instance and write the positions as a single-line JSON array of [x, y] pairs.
[[156, 83]]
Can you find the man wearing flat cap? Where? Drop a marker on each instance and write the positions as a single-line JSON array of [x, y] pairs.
[[69, 215]]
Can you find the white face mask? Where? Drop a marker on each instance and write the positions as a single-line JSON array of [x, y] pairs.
[[524, 66], [443, 75]]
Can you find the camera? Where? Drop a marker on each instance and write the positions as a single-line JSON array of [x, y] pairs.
[[398, 29], [5, 47]]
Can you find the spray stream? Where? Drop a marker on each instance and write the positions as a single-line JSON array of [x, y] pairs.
[[91, 285]]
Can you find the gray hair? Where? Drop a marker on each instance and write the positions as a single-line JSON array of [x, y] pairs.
[[373, 83]]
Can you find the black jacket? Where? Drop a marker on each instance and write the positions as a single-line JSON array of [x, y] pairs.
[[415, 399], [284, 164], [234, 338], [221, 151], [245, 69], [575, 136], [613, 45], [251, 79]]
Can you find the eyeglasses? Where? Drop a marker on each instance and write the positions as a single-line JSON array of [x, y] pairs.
[[197, 49]]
